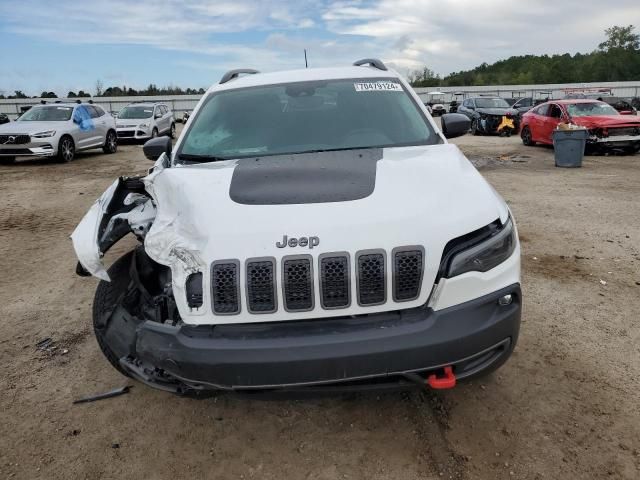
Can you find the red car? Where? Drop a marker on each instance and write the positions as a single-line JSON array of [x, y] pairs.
[[607, 128]]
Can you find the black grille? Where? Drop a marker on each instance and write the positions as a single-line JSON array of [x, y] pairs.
[[297, 282], [631, 131], [407, 278], [17, 139], [126, 134], [224, 288], [15, 151], [261, 292], [371, 279], [334, 281]]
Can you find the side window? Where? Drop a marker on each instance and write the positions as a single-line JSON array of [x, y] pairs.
[[541, 110], [525, 102], [466, 103], [99, 110], [554, 111], [92, 111]]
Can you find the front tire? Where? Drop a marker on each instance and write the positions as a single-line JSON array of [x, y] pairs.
[[66, 150], [527, 138], [154, 132], [110, 142], [7, 160], [107, 296], [172, 131], [474, 127]]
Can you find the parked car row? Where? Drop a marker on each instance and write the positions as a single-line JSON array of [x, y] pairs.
[[60, 130]]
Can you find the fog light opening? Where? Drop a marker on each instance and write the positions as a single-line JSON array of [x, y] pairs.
[[505, 300]]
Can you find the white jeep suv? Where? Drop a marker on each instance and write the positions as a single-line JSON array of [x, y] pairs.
[[58, 130], [144, 120], [311, 229]]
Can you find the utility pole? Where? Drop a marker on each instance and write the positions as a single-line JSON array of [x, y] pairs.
[[306, 65]]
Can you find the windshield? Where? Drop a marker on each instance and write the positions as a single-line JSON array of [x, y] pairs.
[[304, 117], [492, 103], [47, 114], [590, 109], [135, 112]]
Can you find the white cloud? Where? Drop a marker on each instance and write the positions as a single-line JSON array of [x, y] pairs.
[[450, 35], [446, 35]]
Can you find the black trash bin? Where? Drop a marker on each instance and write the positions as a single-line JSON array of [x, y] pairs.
[[569, 146]]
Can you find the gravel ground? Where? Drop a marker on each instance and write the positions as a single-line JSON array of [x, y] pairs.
[[566, 406]]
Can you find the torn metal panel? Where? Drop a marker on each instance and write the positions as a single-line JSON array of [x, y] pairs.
[[122, 208]]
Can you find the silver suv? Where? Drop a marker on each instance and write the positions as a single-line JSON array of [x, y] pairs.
[[144, 120], [58, 130]]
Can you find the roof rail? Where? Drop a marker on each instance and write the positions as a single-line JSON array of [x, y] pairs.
[[372, 62], [231, 74]]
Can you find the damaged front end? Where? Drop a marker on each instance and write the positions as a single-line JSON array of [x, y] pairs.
[[503, 125], [136, 289], [623, 138], [125, 207]]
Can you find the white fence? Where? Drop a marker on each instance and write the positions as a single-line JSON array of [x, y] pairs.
[[178, 103], [186, 103], [554, 90]]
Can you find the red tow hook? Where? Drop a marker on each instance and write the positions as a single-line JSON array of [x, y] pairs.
[[448, 381]]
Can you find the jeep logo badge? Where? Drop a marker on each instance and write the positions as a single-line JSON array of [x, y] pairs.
[[298, 242]]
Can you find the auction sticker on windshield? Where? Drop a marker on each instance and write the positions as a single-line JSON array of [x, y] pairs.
[[378, 87]]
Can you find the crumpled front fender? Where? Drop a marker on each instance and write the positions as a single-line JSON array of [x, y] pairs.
[[123, 208]]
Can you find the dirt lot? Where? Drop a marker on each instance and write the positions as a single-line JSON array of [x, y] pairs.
[[566, 406]]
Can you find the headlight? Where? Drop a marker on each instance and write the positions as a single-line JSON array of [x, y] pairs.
[[143, 125], [48, 133], [487, 254]]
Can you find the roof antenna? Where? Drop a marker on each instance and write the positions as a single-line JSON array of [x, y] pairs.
[[306, 65]]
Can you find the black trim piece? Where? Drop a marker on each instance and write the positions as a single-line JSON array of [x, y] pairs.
[[193, 290], [371, 291], [225, 292], [317, 177], [232, 74], [372, 62], [330, 291], [261, 293], [400, 288]]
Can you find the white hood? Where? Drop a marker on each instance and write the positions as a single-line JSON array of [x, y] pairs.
[[422, 196]]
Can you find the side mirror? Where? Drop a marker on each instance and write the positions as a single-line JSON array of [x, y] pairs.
[[455, 124], [158, 115], [155, 147]]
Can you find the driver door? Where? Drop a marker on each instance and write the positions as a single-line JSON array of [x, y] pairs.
[[550, 122]]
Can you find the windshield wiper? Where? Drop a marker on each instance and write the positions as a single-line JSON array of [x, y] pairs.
[[200, 158]]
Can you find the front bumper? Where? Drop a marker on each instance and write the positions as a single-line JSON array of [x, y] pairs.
[[132, 133], [46, 150], [472, 337], [615, 140]]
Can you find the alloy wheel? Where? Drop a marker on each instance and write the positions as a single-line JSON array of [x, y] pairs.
[[67, 150]]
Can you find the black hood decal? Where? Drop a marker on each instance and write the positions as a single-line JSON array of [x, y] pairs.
[[321, 177]]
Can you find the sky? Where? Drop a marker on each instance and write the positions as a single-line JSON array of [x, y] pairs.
[[62, 45]]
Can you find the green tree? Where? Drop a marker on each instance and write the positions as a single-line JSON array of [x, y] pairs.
[[620, 37]]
